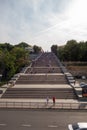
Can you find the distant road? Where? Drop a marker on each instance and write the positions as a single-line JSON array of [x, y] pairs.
[[39, 119]]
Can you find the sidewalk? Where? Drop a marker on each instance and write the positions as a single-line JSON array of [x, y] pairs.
[[41, 104], [43, 86], [38, 100]]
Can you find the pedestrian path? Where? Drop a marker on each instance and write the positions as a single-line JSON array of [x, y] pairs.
[[42, 103], [42, 86]]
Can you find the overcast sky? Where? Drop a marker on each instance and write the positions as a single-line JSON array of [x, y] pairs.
[[43, 22]]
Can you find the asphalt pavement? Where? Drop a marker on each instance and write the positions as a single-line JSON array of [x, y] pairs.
[[39, 119]]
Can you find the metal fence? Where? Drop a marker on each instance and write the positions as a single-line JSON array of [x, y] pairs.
[[43, 105]]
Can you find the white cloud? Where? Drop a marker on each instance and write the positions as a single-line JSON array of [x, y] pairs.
[[43, 22]]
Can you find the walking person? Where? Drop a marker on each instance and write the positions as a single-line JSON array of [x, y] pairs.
[[74, 82], [53, 100], [47, 99]]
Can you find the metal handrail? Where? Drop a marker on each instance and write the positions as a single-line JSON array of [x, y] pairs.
[[15, 104]]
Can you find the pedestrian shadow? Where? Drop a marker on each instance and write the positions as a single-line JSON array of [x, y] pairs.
[[45, 105], [51, 106], [48, 105]]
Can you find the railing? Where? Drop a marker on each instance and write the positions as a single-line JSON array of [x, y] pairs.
[[50, 105]]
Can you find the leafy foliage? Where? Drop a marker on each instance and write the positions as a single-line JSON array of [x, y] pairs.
[[72, 51], [54, 49], [12, 59], [22, 45], [36, 49]]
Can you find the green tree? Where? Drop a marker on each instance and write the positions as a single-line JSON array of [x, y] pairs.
[[8, 66], [61, 53], [37, 49], [22, 45], [21, 57], [6, 46], [54, 49], [83, 51], [71, 50]]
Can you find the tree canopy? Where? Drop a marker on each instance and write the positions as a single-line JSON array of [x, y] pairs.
[[37, 49], [13, 58], [54, 49], [71, 51], [22, 45]]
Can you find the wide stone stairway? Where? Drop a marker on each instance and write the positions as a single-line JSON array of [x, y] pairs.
[[47, 77], [42, 79]]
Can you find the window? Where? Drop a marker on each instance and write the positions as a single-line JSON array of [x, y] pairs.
[[75, 127]]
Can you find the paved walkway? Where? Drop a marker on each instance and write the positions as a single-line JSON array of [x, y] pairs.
[[41, 103], [39, 100], [43, 86]]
